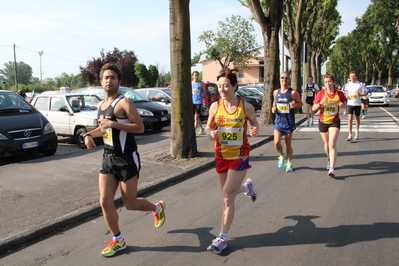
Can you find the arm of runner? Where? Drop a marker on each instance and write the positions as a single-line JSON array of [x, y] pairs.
[[210, 129], [250, 113], [274, 106], [297, 102]]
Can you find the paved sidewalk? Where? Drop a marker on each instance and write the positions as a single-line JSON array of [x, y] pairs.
[[50, 193]]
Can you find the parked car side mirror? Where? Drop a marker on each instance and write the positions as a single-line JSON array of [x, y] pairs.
[[166, 101], [64, 109]]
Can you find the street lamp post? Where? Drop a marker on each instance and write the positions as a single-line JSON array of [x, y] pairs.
[[40, 54]]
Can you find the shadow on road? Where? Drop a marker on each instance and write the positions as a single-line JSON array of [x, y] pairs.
[[304, 232]]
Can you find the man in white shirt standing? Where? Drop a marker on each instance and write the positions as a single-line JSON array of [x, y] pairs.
[[354, 90]]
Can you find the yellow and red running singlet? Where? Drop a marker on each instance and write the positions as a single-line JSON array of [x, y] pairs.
[[329, 112], [232, 142]]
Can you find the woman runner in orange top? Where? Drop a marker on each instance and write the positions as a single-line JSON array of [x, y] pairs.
[[227, 127], [329, 101]]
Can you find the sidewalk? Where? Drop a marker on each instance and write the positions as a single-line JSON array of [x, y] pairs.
[[51, 193]]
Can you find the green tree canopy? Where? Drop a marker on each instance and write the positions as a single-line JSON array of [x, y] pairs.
[[24, 73], [233, 42], [147, 77]]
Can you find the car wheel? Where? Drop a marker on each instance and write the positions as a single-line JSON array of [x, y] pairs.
[[79, 138]]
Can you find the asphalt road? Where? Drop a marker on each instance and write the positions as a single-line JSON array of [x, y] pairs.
[[300, 218]]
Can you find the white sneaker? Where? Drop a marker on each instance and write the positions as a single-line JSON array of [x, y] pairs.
[[349, 138], [311, 122], [328, 165], [307, 123], [344, 112], [363, 116]]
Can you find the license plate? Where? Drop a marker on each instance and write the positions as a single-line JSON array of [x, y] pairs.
[[30, 145], [164, 118]]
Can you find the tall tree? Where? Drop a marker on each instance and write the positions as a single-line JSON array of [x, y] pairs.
[[268, 15], [24, 73], [125, 60], [147, 77], [183, 141], [324, 33], [297, 14], [233, 42]]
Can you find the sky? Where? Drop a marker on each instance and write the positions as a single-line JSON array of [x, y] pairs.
[[70, 33]]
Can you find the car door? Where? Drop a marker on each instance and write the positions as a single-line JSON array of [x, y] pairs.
[[59, 115]]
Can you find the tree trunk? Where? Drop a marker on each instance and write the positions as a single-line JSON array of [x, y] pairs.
[[271, 73], [183, 141], [269, 20]]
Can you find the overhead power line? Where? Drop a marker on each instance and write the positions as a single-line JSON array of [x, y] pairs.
[[45, 54]]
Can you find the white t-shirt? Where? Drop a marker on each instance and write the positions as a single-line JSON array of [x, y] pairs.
[[353, 91]]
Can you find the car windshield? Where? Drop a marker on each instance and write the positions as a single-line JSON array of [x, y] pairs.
[[83, 102], [376, 89], [11, 103], [131, 94], [252, 92], [242, 93]]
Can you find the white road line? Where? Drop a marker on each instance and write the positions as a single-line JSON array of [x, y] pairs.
[[366, 125]]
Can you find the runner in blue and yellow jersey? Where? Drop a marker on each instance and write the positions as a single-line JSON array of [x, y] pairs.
[[227, 126], [285, 100]]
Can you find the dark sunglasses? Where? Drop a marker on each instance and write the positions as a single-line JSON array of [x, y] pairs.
[[284, 77]]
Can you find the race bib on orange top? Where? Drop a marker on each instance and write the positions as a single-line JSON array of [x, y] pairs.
[[107, 136], [283, 107], [331, 109], [230, 136]]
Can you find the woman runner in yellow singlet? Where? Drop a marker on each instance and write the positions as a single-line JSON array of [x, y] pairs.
[[227, 127]]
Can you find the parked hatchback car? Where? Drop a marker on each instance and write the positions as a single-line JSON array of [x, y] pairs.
[[154, 116], [256, 101], [71, 114], [395, 91], [379, 95], [23, 129]]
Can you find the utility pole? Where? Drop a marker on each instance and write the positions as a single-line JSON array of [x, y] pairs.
[[15, 70], [40, 54]]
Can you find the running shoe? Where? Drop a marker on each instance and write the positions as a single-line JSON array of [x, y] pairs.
[[281, 161], [289, 167], [201, 132], [349, 138], [113, 247], [307, 123], [356, 136], [311, 122], [344, 113], [331, 173], [217, 246], [363, 116], [328, 164], [252, 194], [160, 216]]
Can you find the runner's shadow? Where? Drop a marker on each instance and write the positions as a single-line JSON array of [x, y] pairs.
[[304, 232], [376, 168]]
